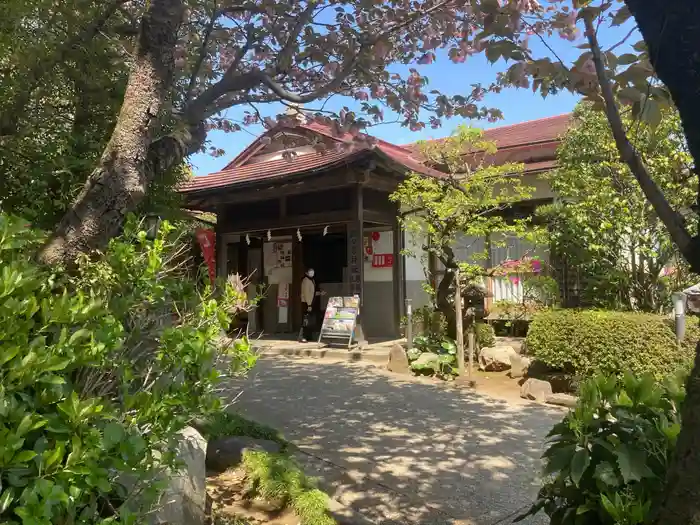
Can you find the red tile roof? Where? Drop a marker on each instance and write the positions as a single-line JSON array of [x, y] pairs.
[[548, 129], [533, 143], [272, 169]]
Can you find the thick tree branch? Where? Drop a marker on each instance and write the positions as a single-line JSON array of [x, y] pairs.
[[230, 82], [333, 85], [672, 220], [284, 59]]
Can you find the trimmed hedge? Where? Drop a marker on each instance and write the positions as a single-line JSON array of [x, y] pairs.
[[586, 342], [485, 335]]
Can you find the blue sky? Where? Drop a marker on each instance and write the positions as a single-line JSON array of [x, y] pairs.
[[517, 105]]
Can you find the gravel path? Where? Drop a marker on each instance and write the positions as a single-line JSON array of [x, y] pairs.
[[401, 451]]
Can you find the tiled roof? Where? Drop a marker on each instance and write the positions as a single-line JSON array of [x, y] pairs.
[[273, 169], [548, 129], [528, 133], [533, 143]]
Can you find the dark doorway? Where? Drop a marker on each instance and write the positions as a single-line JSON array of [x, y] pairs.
[[326, 254]]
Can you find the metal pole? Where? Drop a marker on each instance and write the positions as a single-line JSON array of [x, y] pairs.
[[460, 328], [679, 314], [409, 325]]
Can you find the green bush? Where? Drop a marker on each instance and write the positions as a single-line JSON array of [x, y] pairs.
[[278, 478], [607, 460], [224, 423], [445, 362], [585, 342], [485, 335], [99, 372]]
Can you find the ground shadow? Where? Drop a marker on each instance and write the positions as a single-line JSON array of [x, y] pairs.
[[399, 451]]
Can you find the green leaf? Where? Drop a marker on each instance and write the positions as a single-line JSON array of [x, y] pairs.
[[605, 473], [579, 464], [626, 59], [623, 14], [24, 425], [561, 459], [8, 354], [24, 456], [83, 333], [55, 455], [6, 499], [632, 463], [113, 434], [610, 508]]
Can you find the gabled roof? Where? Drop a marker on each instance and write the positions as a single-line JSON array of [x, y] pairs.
[[343, 149], [533, 142]]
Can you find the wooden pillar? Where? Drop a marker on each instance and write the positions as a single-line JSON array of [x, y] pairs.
[[295, 290], [398, 275], [356, 260], [355, 255]]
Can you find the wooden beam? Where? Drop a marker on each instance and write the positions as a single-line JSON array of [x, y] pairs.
[[380, 217], [243, 225], [272, 189]]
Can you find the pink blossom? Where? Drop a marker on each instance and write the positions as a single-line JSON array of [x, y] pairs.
[[361, 95]]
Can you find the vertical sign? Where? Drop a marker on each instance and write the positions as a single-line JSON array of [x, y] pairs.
[[207, 241], [355, 259]]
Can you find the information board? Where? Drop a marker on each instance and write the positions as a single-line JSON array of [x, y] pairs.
[[340, 320]]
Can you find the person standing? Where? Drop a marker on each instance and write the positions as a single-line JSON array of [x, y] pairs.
[[308, 296]]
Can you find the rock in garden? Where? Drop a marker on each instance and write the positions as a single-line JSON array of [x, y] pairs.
[[496, 358], [519, 365], [398, 360], [536, 389], [227, 452], [184, 500], [427, 360], [563, 400]]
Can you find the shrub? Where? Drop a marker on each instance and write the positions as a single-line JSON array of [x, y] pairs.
[[99, 372], [224, 423], [445, 349], [278, 478], [485, 335], [607, 460], [586, 342]]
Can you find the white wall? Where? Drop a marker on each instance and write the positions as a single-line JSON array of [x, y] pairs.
[[384, 245]]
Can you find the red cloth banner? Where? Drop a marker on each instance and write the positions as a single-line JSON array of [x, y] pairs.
[[382, 260], [207, 241]]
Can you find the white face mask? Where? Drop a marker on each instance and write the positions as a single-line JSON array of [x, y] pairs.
[[310, 273]]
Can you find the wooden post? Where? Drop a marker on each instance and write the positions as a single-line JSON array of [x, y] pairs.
[[460, 329], [471, 356]]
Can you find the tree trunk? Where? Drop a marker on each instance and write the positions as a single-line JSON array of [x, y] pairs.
[[671, 30], [681, 505], [119, 182], [444, 291]]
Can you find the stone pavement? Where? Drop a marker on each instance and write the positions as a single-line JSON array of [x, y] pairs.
[[399, 451]]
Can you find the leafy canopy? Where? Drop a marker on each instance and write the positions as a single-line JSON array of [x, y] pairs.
[[605, 226], [470, 203]]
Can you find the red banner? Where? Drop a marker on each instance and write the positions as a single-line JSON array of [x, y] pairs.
[[207, 241], [382, 260]]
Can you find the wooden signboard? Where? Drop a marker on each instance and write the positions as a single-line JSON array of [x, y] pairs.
[[340, 320]]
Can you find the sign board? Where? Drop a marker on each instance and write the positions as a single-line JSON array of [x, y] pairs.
[[382, 260], [355, 260], [340, 319], [283, 295]]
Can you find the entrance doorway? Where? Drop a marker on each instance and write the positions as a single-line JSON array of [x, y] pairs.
[[327, 255]]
